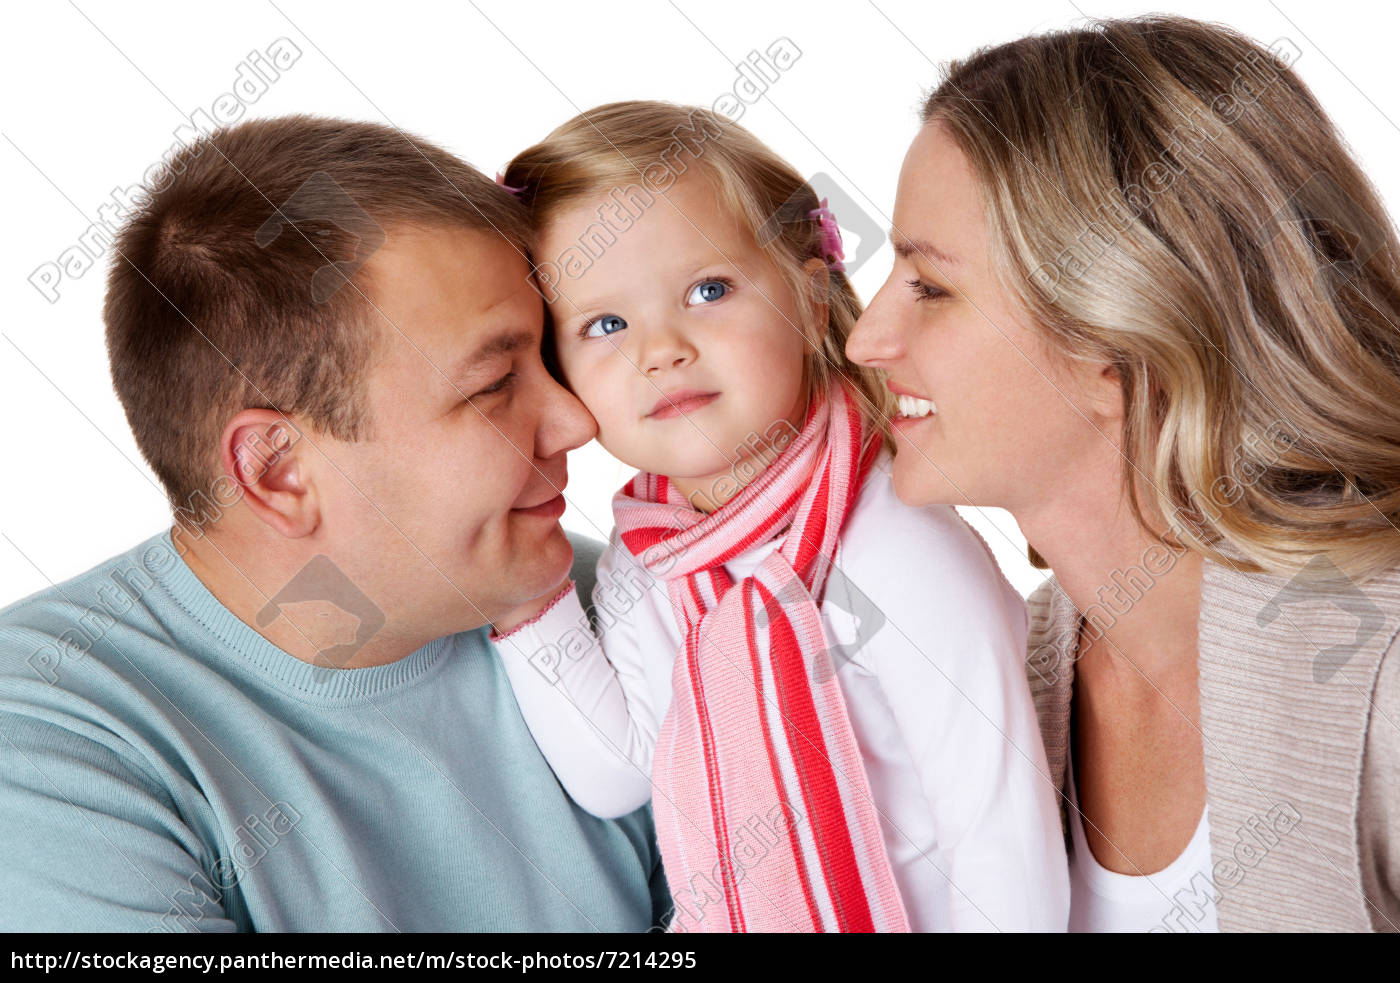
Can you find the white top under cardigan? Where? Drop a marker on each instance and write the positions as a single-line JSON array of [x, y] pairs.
[[1178, 898], [935, 690]]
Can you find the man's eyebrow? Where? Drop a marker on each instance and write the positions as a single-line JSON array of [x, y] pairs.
[[507, 343], [905, 247]]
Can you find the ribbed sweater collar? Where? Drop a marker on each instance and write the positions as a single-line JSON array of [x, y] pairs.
[[281, 670]]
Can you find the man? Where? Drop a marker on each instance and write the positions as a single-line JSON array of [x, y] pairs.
[[284, 713]]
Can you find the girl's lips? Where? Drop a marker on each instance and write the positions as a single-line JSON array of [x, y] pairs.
[[681, 403]]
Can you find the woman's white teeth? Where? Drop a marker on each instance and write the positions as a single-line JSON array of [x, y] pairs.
[[913, 406]]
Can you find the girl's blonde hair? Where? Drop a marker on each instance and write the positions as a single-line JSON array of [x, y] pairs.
[[1167, 196], [641, 147]]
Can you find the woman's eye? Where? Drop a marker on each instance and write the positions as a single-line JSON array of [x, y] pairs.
[[707, 291], [605, 325], [925, 291]]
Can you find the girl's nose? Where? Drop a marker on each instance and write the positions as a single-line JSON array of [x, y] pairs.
[[664, 348]]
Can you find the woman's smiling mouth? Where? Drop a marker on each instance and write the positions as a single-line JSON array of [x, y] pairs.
[[911, 405]]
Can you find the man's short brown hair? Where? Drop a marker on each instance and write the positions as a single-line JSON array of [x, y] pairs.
[[239, 282]]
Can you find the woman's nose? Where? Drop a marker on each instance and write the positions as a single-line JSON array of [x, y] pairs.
[[874, 340]]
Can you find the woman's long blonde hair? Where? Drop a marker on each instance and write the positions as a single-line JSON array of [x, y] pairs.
[[644, 145], [1167, 196]]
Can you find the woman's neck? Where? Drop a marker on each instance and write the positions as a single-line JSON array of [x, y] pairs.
[[1138, 593]]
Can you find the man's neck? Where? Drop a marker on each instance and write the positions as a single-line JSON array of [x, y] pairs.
[[246, 577]]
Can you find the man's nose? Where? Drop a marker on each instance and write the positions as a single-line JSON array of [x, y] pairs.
[[564, 422]]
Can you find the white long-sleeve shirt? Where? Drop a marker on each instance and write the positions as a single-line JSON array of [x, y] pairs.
[[928, 640]]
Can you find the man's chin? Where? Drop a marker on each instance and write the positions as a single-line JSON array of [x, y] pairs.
[[546, 561]]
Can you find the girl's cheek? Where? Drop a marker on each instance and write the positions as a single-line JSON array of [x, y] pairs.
[[570, 359]]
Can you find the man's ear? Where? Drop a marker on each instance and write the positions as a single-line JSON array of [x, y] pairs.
[[263, 452], [818, 278]]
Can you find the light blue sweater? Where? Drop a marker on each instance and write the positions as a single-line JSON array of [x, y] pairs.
[[165, 767]]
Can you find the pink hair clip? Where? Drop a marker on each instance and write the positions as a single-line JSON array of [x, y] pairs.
[[501, 180], [831, 236]]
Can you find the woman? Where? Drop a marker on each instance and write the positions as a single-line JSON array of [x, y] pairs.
[[1154, 305]]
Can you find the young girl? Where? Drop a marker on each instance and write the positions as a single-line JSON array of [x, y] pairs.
[[819, 689]]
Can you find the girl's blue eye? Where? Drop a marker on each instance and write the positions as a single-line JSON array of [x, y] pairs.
[[707, 291], [607, 324]]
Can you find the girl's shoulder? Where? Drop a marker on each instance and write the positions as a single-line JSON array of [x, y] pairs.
[[617, 566], [932, 612], [930, 549]]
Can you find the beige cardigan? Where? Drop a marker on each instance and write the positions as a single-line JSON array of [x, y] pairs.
[[1300, 716]]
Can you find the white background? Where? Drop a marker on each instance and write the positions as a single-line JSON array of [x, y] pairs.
[[94, 93]]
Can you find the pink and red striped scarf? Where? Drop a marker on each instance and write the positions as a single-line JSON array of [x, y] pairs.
[[762, 807]]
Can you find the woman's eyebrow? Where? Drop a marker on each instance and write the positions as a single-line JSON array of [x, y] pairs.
[[904, 248]]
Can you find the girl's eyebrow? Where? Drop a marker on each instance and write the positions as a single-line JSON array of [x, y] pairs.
[[711, 264]]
